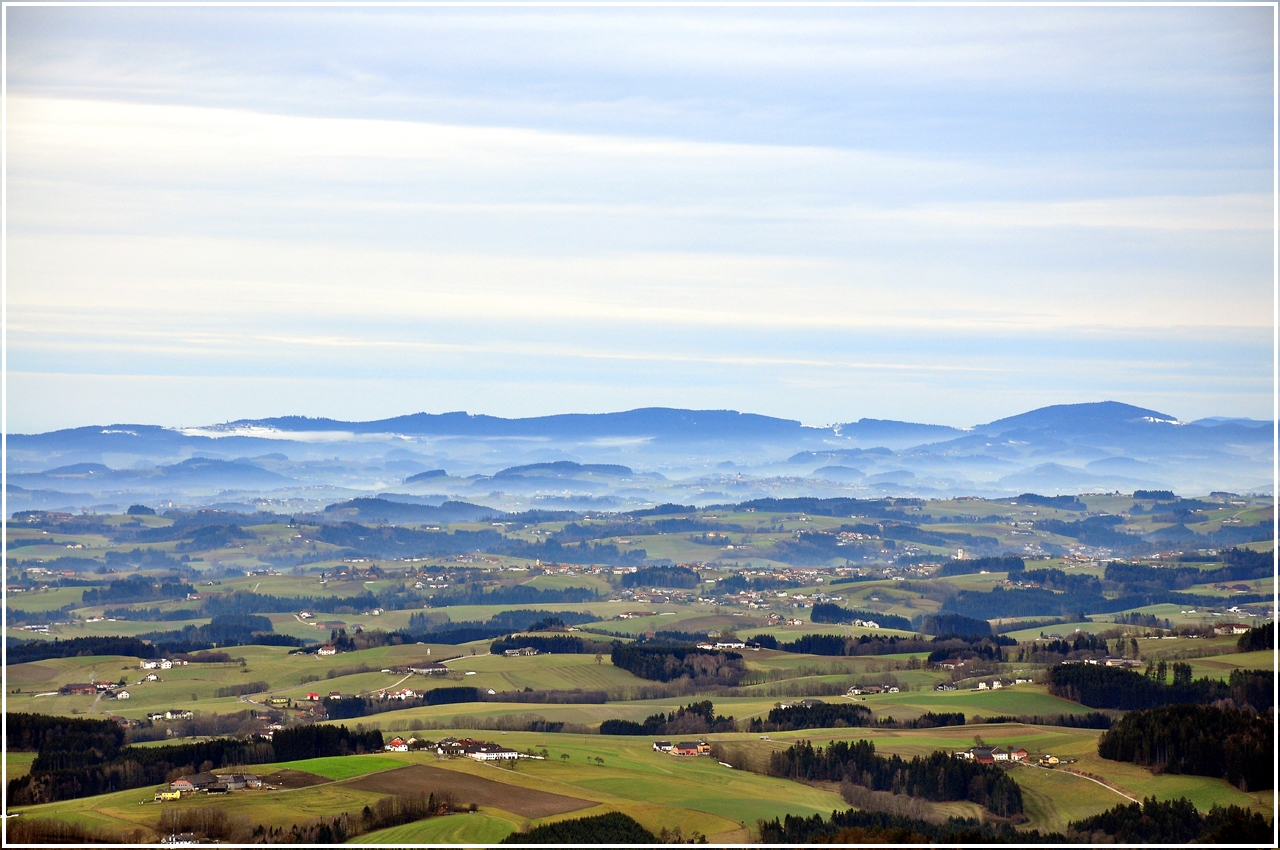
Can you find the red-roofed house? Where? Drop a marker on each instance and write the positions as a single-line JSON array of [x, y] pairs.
[[690, 748]]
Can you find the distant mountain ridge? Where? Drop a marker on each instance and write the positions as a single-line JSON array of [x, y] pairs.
[[650, 422], [193, 472], [656, 422], [1101, 415], [627, 460], [889, 430], [382, 510]]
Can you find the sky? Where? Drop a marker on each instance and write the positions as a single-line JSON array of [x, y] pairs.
[[943, 215]]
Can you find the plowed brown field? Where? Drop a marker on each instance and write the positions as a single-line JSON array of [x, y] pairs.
[[466, 789]]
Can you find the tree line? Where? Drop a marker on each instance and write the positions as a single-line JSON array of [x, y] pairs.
[[819, 716], [1091, 720], [163, 644], [969, 566], [693, 719], [1150, 822], [739, 583], [841, 645], [136, 588], [1043, 602], [78, 758], [247, 602], [840, 715], [1098, 686], [1175, 822], [423, 628], [350, 707], [559, 644], [1092, 531], [514, 620], [609, 828], [986, 650], [153, 614], [25, 732], [76, 775], [829, 612], [1238, 566], [520, 594], [956, 625], [912, 533], [243, 689], [225, 630], [1079, 645], [311, 741], [938, 776], [662, 577], [863, 645], [399, 542], [858, 826], [57, 832], [668, 663], [839, 507], [1260, 637], [1202, 740]]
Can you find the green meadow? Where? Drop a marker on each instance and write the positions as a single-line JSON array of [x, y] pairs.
[[18, 764], [462, 828], [662, 790]]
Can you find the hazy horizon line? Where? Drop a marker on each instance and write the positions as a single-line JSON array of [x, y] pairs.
[[195, 430]]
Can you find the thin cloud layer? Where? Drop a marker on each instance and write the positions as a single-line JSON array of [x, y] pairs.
[[823, 214]]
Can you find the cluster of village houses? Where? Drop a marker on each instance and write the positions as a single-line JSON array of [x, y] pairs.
[[862, 690], [386, 693], [658, 597], [724, 644], [116, 690], [761, 600], [454, 747], [993, 755], [992, 685], [208, 783]]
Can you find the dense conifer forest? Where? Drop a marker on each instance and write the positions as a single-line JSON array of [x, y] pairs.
[[1204, 740], [938, 776]]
